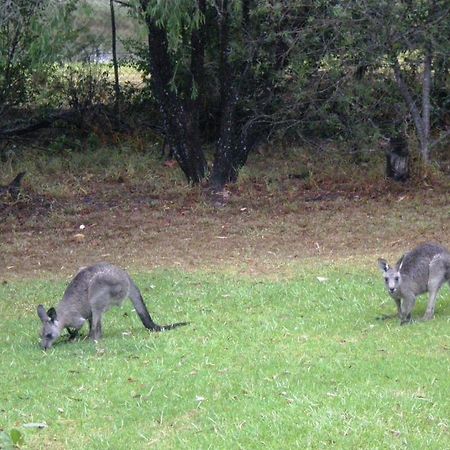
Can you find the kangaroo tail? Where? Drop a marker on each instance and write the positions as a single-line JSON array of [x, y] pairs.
[[143, 313], [170, 326]]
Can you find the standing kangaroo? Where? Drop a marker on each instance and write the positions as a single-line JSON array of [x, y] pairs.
[[424, 269], [90, 294]]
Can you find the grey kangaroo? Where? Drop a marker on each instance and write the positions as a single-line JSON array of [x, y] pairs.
[[424, 269], [90, 294]]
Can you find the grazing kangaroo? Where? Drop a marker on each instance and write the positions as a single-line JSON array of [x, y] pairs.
[[424, 269], [90, 294]]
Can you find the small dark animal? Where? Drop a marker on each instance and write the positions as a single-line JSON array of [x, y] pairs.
[[90, 294], [424, 269], [13, 189], [397, 159]]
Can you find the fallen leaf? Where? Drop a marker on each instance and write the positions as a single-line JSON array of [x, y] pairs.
[[78, 237], [16, 438], [40, 425]]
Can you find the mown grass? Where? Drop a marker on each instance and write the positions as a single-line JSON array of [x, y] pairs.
[[295, 363]]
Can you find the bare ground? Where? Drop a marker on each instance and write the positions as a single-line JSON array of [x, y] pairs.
[[264, 229]]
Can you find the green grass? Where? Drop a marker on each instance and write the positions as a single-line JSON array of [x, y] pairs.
[[67, 169], [277, 364]]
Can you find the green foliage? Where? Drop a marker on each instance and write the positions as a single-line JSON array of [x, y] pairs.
[[301, 362], [335, 80], [376, 35], [305, 70], [33, 34], [81, 86], [11, 440], [178, 17]]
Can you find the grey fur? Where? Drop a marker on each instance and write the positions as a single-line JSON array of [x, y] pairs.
[[424, 269], [92, 292]]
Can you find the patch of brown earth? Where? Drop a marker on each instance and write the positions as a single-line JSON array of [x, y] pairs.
[[263, 230]]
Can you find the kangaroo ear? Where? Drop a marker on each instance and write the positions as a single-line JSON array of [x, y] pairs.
[[52, 314], [383, 265], [42, 314]]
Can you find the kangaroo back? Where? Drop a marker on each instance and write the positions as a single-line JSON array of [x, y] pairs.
[[144, 315], [415, 264]]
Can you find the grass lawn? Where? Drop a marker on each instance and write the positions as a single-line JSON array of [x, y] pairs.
[[280, 286], [295, 363]]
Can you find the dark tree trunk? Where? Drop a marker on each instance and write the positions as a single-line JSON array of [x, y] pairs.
[[196, 104], [177, 121], [233, 145], [182, 119], [198, 57], [440, 90], [224, 66], [223, 167]]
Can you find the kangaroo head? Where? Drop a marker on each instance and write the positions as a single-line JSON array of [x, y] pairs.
[[50, 326], [392, 276]]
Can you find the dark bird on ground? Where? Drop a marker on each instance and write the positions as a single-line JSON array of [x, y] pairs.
[[13, 189]]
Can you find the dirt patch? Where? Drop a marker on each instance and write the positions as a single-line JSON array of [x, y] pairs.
[[264, 228]]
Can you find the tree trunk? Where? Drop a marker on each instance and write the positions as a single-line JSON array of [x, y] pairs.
[[421, 121], [224, 168], [232, 147], [177, 121], [426, 104], [115, 64], [196, 104]]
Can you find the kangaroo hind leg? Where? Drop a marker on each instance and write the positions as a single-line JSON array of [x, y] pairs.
[[95, 323], [435, 281], [100, 300]]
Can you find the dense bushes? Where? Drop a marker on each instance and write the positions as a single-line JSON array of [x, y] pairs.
[[238, 75]]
